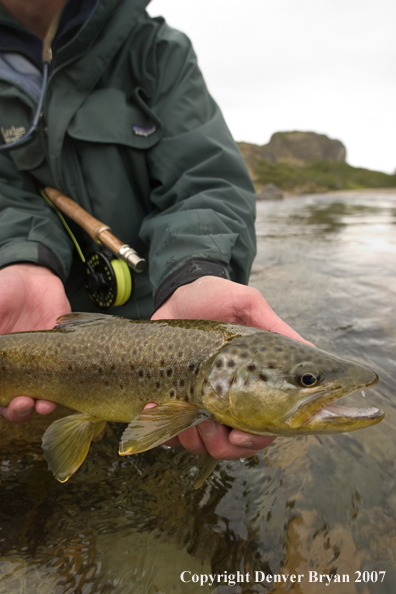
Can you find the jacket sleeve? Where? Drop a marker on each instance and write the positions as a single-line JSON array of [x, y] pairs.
[[203, 199], [30, 232]]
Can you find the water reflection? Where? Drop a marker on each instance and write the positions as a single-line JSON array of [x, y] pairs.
[[123, 525]]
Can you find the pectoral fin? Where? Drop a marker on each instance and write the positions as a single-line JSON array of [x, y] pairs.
[[207, 466], [66, 443], [153, 426]]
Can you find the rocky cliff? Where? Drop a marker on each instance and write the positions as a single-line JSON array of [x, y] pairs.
[[302, 162]]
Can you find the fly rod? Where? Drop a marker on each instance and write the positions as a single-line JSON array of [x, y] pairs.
[[99, 232]]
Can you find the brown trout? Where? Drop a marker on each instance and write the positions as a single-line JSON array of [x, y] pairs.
[[108, 368]]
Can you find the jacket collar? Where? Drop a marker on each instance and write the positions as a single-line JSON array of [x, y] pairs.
[[78, 15]]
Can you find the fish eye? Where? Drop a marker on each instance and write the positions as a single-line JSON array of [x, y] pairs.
[[308, 380]]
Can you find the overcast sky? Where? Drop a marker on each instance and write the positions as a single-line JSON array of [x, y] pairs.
[[326, 66]]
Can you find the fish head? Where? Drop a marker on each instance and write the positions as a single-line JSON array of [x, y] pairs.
[[269, 384]]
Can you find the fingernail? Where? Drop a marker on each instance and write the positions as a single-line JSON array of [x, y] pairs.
[[207, 428], [246, 444], [243, 442]]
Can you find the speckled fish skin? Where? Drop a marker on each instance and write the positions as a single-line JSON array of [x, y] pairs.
[[108, 368]]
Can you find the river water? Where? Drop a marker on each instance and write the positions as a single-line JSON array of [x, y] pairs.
[[327, 265]]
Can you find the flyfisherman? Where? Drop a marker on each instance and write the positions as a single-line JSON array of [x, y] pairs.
[[128, 129]]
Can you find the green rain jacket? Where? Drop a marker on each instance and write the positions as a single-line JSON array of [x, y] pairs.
[[131, 133]]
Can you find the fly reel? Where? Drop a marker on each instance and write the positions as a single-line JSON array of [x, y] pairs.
[[108, 280]]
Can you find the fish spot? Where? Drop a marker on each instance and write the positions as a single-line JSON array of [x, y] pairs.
[[263, 377], [163, 362], [181, 383], [191, 367], [169, 372], [246, 383], [112, 367], [100, 370], [141, 373], [180, 354], [231, 363], [251, 368], [157, 385], [263, 349], [107, 349], [219, 363], [172, 393], [70, 367], [244, 355], [219, 389], [121, 386], [278, 349], [192, 390], [131, 366]]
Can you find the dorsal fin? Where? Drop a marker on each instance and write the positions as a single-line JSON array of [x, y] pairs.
[[77, 318]]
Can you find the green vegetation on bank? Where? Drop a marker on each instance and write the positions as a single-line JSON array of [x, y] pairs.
[[319, 176]]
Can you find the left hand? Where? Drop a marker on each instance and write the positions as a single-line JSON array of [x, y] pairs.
[[31, 298], [212, 298]]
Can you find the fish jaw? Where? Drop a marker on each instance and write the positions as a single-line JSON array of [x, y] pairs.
[[334, 418]]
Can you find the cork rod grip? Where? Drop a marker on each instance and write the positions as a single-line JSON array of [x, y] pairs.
[[95, 228]]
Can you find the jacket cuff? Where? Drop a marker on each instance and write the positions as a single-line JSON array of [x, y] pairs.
[[189, 272], [30, 252]]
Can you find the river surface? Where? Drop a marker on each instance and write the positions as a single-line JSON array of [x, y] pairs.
[[327, 265]]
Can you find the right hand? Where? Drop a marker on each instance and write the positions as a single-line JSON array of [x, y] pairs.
[[31, 298]]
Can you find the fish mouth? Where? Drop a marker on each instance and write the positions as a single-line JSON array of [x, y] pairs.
[[321, 413], [336, 413]]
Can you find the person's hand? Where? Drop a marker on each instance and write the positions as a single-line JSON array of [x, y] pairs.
[[212, 298], [31, 298]]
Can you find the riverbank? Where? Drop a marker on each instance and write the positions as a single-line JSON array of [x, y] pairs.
[[350, 193]]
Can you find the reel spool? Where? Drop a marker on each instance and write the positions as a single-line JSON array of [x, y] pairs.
[[108, 280]]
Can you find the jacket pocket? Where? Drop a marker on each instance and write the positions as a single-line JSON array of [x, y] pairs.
[[108, 116]]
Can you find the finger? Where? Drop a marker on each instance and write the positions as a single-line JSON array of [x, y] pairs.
[[280, 327], [257, 312], [19, 410], [247, 440], [44, 407], [215, 437], [191, 440]]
